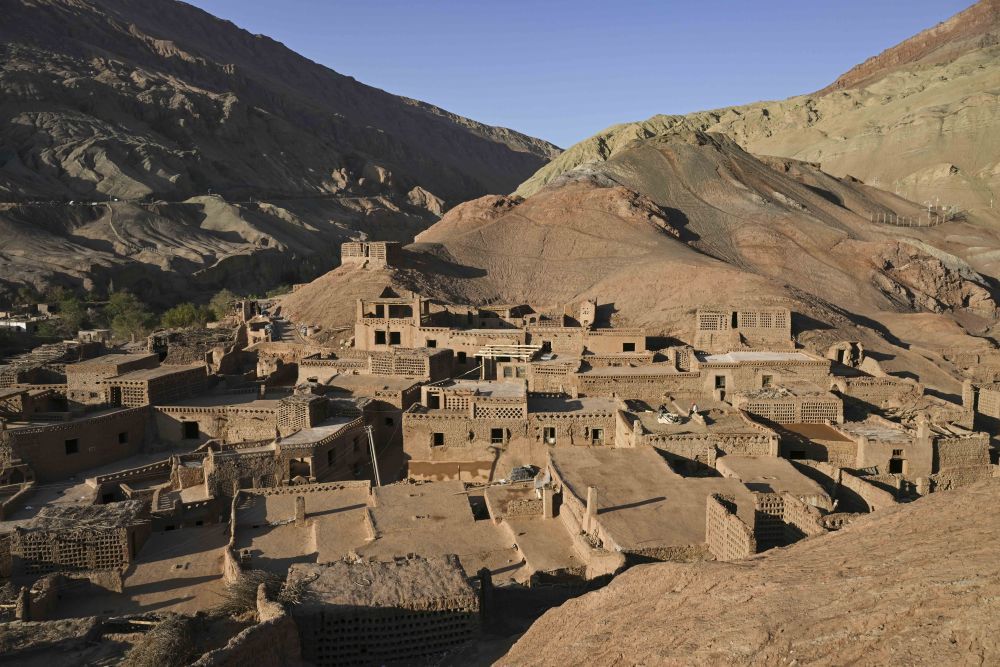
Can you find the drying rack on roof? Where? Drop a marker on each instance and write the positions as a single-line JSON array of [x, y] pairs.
[[519, 352]]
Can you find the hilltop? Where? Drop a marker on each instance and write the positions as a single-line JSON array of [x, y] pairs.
[[919, 120]]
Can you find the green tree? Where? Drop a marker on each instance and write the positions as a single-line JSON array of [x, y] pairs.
[[128, 316], [185, 315], [72, 312], [221, 304]]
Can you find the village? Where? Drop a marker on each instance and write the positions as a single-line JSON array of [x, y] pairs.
[[472, 465]]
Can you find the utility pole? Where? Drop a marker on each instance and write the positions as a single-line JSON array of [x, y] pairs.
[[371, 446]]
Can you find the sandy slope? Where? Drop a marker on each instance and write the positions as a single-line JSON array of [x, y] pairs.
[[917, 584]]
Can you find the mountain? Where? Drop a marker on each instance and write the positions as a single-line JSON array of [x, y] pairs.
[[883, 590], [688, 219], [921, 119], [159, 103]]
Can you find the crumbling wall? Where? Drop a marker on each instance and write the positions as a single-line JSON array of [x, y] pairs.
[[727, 536], [272, 642]]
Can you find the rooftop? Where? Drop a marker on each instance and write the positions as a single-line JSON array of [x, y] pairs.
[[642, 504], [881, 430], [322, 431], [415, 583], [567, 404], [768, 474], [487, 388], [154, 373], [75, 518], [110, 360], [644, 370], [739, 357]]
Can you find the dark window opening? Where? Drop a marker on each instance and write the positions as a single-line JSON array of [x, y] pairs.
[[597, 434], [628, 347], [735, 324], [380, 338], [496, 436], [766, 380], [897, 452], [394, 338], [895, 466], [720, 381], [431, 342], [190, 430], [438, 439], [379, 310], [72, 446], [433, 401], [549, 435], [462, 357], [123, 438]]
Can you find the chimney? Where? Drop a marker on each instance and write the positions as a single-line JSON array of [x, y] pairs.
[[591, 508], [300, 511]]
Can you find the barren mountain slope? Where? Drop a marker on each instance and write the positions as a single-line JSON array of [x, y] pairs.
[[686, 220], [159, 100], [917, 584], [921, 119]]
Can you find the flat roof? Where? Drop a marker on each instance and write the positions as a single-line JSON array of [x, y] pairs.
[[643, 370], [768, 474], [243, 400], [884, 431], [418, 583], [370, 383], [108, 359], [567, 404], [489, 388], [326, 429], [641, 502], [737, 356], [719, 417], [158, 372], [817, 432]]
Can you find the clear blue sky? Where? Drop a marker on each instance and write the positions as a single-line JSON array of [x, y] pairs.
[[563, 70]]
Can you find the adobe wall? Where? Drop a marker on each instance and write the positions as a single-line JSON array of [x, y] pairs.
[[272, 642], [44, 447], [971, 450], [652, 389], [959, 476], [727, 536], [228, 424], [853, 493], [879, 392]]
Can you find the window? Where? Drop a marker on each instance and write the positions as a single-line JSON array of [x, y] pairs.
[[380, 338], [628, 347], [389, 421], [597, 435], [735, 324], [897, 452], [496, 436], [433, 401], [720, 381], [394, 338], [461, 357], [431, 342], [766, 380], [549, 435], [896, 466], [438, 439], [123, 438], [508, 372], [379, 310], [72, 446], [190, 430]]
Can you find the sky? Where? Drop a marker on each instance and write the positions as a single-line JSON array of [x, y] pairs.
[[563, 70]]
